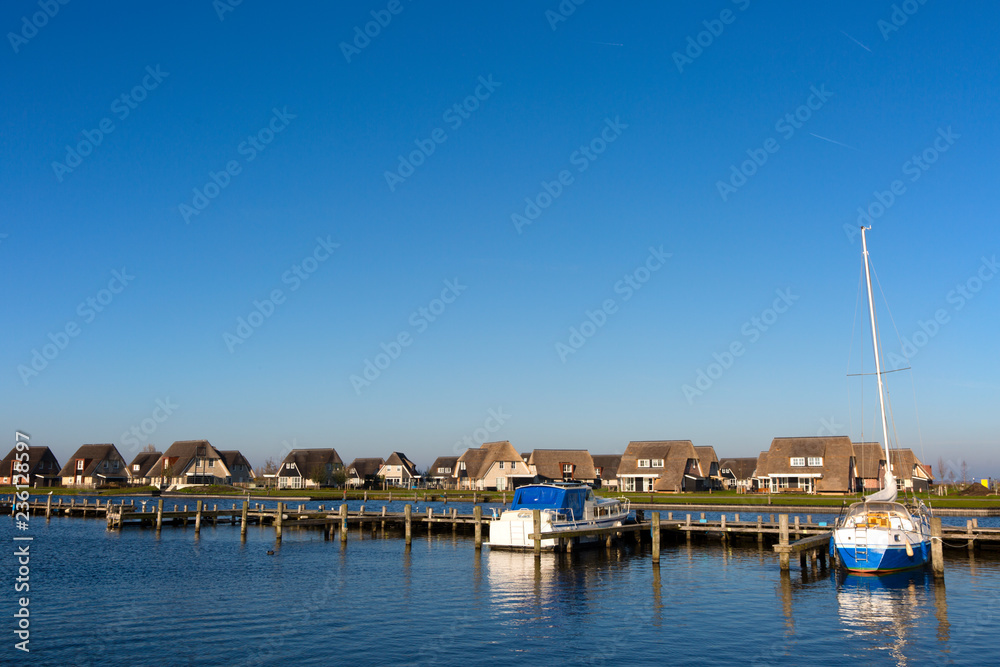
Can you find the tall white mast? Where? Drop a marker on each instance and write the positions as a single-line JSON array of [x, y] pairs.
[[890, 480]]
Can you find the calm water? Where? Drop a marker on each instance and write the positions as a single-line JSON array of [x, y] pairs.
[[130, 598]]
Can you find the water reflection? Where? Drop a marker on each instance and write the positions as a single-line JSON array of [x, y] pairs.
[[885, 611]]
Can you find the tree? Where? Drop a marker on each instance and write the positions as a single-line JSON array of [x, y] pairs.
[[149, 448], [339, 477], [318, 474]]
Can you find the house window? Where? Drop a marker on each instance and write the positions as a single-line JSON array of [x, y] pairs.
[[444, 471], [599, 471], [289, 466], [567, 469], [461, 465], [816, 460], [501, 465], [798, 461], [656, 463], [116, 465], [648, 483], [135, 467], [79, 464], [628, 484], [643, 463]]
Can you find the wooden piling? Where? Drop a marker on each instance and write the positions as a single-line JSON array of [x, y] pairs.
[[48, 507], [407, 520], [783, 558], [243, 518], [215, 515], [937, 551], [159, 515], [687, 533], [760, 529], [536, 522], [477, 515], [968, 529], [278, 520], [655, 535], [197, 517], [797, 533], [736, 518], [343, 522]]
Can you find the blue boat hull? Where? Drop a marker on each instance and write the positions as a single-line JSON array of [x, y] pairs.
[[882, 559]]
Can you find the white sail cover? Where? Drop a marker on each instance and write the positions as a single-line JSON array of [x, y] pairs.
[[887, 494]]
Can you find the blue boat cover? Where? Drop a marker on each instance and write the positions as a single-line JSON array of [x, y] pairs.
[[549, 498]]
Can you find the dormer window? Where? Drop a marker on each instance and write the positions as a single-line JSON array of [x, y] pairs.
[[656, 463], [816, 461], [643, 463], [798, 461]]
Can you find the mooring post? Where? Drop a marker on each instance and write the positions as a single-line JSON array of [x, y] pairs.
[[185, 516], [215, 514], [474, 501], [277, 521], [670, 516], [477, 515], [760, 529], [736, 518], [797, 534], [366, 497], [536, 522], [243, 518], [687, 532], [783, 540], [937, 551], [343, 522], [723, 526], [48, 507], [159, 515], [968, 530], [655, 535], [809, 519], [197, 517], [407, 520]]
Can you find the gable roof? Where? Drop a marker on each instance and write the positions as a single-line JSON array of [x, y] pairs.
[[473, 460], [706, 457], [307, 459], [549, 462], [905, 463], [145, 461], [742, 468], [184, 453], [95, 454], [233, 458], [447, 462], [675, 454], [868, 457], [836, 451], [35, 456], [608, 463], [364, 468]]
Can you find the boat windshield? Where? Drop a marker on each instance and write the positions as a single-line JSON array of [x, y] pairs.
[[859, 510], [549, 497]]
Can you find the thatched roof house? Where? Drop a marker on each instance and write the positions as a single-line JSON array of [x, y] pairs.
[[554, 465], [817, 464], [40, 470], [494, 465], [442, 472], [240, 470], [364, 472], [399, 471], [606, 468], [189, 463], [738, 472], [138, 470], [660, 465], [93, 466], [308, 468]]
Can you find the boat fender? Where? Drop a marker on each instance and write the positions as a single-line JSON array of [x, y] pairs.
[[909, 550]]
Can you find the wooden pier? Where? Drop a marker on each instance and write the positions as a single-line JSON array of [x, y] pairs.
[[787, 535]]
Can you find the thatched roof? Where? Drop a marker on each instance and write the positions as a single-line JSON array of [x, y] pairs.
[[676, 455], [233, 458], [905, 463], [742, 468], [145, 461], [182, 454], [868, 458], [706, 457], [306, 460], [608, 463], [443, 466], [95, 455], [365, 468], [836, 452], [399, 459], [41, 461], [549, 463], [478, 461]]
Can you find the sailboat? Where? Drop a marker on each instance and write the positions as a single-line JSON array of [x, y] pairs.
[[880, 535]]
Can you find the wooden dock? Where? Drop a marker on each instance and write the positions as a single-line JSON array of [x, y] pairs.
[[787, 535]]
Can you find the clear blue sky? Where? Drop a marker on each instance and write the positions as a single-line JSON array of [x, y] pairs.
[[611, 121]]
